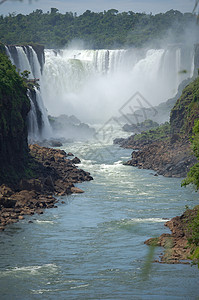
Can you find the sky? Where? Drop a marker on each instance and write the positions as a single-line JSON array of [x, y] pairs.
[[80, 6]]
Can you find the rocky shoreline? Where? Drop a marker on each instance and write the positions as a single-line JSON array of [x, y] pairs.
[[177, 245], [165, 157], [54, 174], [171, 158]]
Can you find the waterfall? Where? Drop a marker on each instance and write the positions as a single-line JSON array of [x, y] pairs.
[[95, 84], [25, 58]]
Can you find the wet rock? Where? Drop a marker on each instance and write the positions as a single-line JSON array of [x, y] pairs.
[[7, 202], [176, 246], [69, 154], [164, 157], [56, 143], [31, 184], [76, 160], [5, 191], [76, 190], [55, 174]]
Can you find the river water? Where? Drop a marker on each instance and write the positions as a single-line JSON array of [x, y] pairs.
[[92, 246]]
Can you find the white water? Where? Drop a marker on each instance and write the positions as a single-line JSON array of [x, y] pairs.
[[92, 245], [28, 60], [95, 84]]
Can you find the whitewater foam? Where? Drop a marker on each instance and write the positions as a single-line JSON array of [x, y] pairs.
[[94, 84]]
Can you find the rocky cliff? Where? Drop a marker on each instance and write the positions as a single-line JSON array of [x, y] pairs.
[[167, 149], [186, 110], [14, 107]]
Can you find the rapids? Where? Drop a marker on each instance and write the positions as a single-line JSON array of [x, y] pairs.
[[92, 245]]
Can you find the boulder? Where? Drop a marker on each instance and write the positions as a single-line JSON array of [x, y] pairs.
[[76, 160], [76, 190]]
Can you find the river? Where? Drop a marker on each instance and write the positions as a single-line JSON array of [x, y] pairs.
[[92, 245]]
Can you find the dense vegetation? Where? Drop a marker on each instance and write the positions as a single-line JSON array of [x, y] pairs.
[[182, 118], [162, 132], [193, 175], [184, 121], [99, 30], [193, 178], [186, 110], [14, 107]]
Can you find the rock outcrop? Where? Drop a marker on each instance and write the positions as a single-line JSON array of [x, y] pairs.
[[167, 149], [166, 158], [177, 245], [53, 174]]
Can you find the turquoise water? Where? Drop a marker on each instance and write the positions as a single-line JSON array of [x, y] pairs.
[[92, 246]]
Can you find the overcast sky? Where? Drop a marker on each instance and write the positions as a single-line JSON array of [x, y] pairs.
[[79, 6]]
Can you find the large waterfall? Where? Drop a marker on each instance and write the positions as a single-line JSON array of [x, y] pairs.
[[95, 84], [25, 58]]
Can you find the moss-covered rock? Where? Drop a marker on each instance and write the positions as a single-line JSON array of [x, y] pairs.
[[186, 110], [14, 107], [2, 48]]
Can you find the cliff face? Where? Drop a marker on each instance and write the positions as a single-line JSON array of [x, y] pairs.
[[196, 58], [186, 110], [167, 149], [14, 107], [39, 50]]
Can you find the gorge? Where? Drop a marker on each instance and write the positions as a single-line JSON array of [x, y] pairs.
[[72, 251], [94, 84]]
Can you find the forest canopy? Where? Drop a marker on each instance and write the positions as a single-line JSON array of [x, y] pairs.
[[108, 29]]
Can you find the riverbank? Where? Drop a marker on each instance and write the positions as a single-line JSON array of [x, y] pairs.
[[181, 245], [53, 173], [165, 157]]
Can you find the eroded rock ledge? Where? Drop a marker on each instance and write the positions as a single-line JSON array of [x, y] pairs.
[[167, 158], [177, 245], [54, 174]]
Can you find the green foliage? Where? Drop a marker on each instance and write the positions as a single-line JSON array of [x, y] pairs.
[[29, 83], [186, 110], [193, 174], [106, 29], [194, 227], [195, 256], [193, 239], [25, 74], [2, 48], [195, 141], [159, 133], [14, 106]]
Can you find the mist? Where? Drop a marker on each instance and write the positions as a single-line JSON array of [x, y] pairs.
[[93, 85]]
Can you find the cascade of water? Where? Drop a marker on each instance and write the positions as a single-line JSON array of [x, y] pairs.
[[9, 55], [33, 127], [34, 62], [24, 63], [45, 128], [94, 84], [25, 58]]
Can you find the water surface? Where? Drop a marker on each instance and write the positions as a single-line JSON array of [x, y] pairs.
[[92, 246]]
